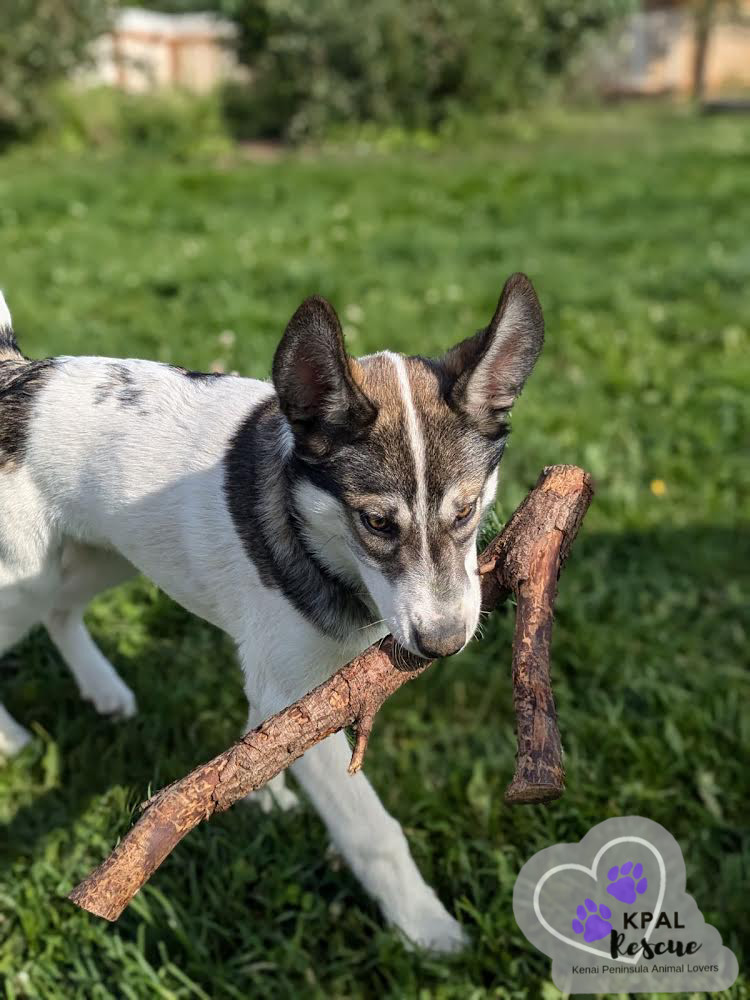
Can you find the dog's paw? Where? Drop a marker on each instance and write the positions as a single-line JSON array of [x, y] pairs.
[[443, 936], [431, 928], [13, 738], [115, 699]]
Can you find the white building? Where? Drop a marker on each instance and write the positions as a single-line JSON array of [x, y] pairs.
[[145, 51]]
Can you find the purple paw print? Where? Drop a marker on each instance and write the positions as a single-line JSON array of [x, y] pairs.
[[629, 885], [592, 924]]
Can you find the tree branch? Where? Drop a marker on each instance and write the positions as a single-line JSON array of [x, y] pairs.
[[524, 559]]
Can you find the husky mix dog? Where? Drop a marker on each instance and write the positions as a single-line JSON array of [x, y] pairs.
[[307, 517]]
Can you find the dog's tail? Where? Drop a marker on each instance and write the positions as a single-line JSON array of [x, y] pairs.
[[8, 347]]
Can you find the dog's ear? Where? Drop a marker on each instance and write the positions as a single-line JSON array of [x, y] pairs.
[[313, 376], [486, 372]]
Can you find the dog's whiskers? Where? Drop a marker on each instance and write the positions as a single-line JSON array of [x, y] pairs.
[[371, 625]]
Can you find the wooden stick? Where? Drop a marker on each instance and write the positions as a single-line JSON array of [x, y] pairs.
[[528, 555], [525, 558]]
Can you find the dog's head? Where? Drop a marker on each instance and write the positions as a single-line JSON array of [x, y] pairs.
[[396, 460]]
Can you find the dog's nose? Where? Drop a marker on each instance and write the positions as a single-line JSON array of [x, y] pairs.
[[434, 643]]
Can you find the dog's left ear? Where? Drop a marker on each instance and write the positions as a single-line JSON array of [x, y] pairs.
[[313, 376], [488, 371]]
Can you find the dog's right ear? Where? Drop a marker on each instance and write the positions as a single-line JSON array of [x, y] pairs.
[[488, 371], [313, 377]]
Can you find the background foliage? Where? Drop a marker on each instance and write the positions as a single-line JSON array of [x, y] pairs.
[[315, 64], [631, 225], [170, 123], [41, 41]]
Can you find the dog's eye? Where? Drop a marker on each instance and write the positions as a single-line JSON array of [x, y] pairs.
[[377, 523], [464, 513]]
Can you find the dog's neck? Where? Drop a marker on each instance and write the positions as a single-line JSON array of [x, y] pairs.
[[260, 479]]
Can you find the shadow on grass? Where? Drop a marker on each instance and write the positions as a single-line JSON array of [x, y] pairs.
[[82, 754]]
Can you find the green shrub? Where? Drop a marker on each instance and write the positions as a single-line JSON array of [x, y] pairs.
[[171, 122], [315, 63], [41, 41]]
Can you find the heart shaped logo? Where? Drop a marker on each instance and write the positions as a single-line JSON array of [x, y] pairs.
[[623, 922], [623, 889]]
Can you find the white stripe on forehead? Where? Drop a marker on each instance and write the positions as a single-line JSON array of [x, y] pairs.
[[416, 442]]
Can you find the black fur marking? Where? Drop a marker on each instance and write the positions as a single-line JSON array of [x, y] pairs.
[[197, 376], [20, 383], [258, 486], [121, 384], [317, 392]]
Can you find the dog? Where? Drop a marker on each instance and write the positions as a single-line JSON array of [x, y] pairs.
[[306, 517]]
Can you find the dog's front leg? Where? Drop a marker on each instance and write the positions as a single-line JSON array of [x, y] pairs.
[[276, 792], [374, 846], [370, 839]]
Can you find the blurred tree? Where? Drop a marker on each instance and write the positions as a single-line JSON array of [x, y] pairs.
[[705, 15], [40, 42], [704, 12]]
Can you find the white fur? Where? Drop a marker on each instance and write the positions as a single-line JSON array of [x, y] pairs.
[[106, 490], [6, 322], [416, 440]]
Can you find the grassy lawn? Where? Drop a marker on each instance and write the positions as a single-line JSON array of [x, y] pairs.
[[636, 230]]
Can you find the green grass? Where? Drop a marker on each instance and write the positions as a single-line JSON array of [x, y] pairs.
[[635, 229]]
